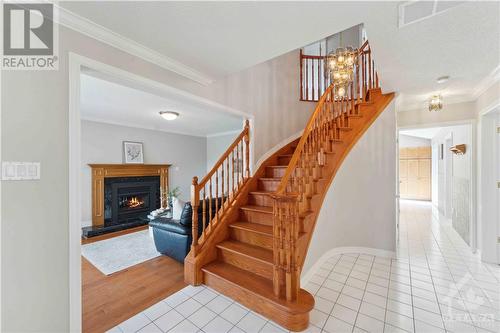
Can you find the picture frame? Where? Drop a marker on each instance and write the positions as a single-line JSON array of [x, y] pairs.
[[133, 152]]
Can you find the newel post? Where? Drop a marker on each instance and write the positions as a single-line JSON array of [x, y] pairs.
[[247, 148], [286, 272], [195, 202]]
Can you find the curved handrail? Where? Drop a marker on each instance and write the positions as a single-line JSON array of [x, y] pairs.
[[369, 79]]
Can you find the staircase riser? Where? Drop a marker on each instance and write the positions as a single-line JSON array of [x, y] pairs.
[[275, 172], [268, 185], [247, 263], [256, 217], [284, 160], [252, 238], [293, 321], [260, 200]]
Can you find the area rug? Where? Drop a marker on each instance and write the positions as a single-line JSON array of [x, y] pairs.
[[117, 253]]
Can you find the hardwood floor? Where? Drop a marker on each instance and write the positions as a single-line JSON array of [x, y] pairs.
[[109, 300]]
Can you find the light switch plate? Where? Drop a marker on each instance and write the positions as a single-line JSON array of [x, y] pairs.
[[20, 170]]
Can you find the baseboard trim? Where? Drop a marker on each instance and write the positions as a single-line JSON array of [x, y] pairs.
[[306, 277]]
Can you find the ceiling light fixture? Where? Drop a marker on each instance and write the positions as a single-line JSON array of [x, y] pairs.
[[340, 66], [435, 103], [169, 115], [442, 79]]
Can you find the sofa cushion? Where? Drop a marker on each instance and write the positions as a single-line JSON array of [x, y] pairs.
[[170, 225], [186, 215]]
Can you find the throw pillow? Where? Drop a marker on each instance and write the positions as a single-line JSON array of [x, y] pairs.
[[177, 208]]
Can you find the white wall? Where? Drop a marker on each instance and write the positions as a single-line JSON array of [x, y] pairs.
[[217, 145], [462, 184], [102, 143], [413, 141], [360, 207]]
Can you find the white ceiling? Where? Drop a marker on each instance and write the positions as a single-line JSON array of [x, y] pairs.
[[426, 133], [218, 38], [106, 100]]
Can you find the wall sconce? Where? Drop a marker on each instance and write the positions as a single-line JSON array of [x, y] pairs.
[[458, 149]]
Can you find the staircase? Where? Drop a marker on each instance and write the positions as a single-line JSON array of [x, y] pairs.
[[254, 247]]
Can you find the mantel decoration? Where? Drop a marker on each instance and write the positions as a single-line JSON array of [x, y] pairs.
[[133, 152], [340, 65], [435, 103]]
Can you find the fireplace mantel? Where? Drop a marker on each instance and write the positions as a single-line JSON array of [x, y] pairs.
[[102, 171]]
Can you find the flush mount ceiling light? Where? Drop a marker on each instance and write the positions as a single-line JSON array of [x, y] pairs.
[[442, 79], [169, 115], [435, 103]]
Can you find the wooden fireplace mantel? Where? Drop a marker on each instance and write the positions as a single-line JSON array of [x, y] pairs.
[[102, 171]]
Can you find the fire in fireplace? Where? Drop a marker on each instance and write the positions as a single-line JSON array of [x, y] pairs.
[[130, 199]]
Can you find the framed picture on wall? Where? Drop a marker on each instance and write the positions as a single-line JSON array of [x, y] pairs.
[[133, 152]]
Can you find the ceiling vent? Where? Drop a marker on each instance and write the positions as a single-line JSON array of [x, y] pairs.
[[415, 11]]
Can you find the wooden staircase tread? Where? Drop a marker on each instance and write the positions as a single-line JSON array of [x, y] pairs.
[[257, 285], [253, 227], [274, 179], [248, 250], [262, 192], [261, 209], [278, 166]]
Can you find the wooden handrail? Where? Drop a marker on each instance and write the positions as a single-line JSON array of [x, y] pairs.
[[224, 181], [297, 186]]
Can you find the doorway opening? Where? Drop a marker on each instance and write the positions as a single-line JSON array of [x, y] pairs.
[[431, 169]]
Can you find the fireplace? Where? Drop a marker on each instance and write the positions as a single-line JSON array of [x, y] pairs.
[[130, 199], [124, 194]]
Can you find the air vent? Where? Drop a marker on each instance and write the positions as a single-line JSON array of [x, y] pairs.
[[415, 11]]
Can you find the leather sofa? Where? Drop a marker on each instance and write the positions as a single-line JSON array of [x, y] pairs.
[[174, 237]]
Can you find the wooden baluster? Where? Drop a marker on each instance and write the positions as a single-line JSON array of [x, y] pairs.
[[238, 170], [223, 195], [229, 193], [195, 201], [352, 99], [232, 168], [358, 84], [217, 194], [204, 209], [247, 149], [373, 74], [210, 205], [319, 79], [376, 80], [276, 248], [370, 69], [301, 76], [307, 79]]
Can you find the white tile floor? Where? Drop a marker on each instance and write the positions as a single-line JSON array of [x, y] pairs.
[[434, 285]]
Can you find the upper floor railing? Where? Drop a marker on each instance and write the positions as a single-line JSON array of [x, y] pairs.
[[314, 81]]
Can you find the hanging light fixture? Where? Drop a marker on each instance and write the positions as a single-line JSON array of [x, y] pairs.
[[340, 66], [435, 103]]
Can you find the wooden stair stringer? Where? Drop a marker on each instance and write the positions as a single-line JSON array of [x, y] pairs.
[[360, 126]]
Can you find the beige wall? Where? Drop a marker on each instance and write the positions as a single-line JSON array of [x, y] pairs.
[[35, 227], [449, 113], [350, 216]]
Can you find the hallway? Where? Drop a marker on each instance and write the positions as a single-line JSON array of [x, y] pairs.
[[434, 285]]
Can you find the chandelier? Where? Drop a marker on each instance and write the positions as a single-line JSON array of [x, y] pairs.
[[435, 103], [340, 66]]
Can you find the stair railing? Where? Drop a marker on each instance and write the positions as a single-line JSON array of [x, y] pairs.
[[299, 182], [214, 194]]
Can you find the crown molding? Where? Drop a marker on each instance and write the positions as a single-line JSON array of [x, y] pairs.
[[487, 82], [87, 27]]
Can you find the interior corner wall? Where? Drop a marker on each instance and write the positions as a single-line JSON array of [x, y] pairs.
[[413, 141], [216, 146], [102, 143], [359, 209]]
